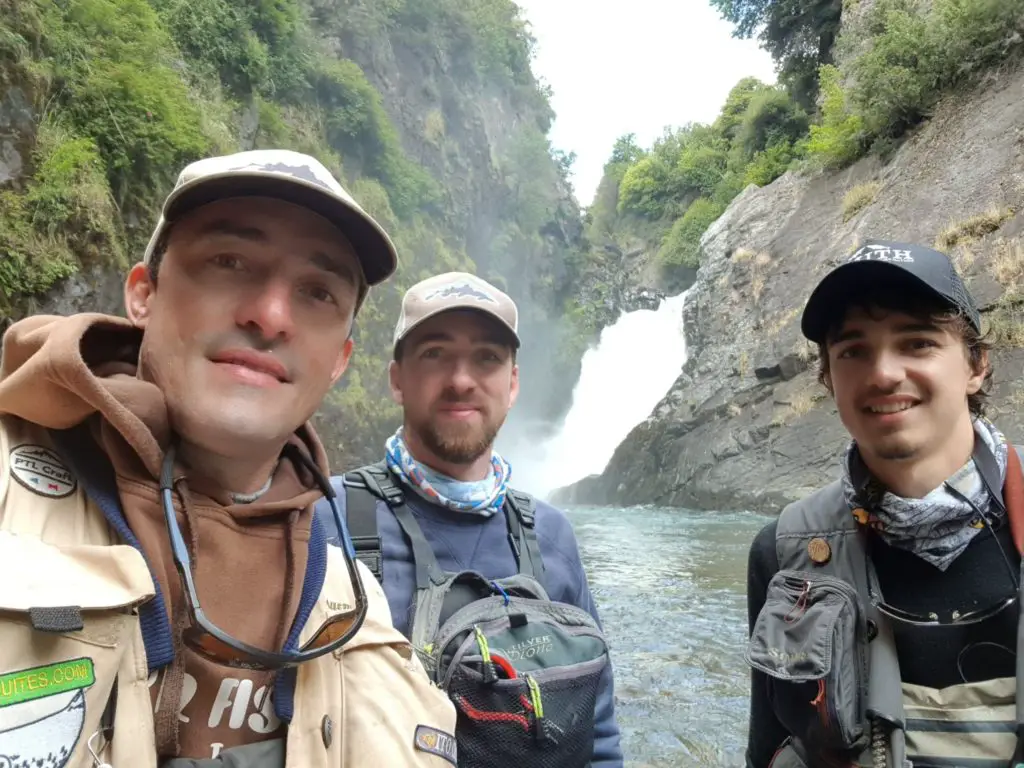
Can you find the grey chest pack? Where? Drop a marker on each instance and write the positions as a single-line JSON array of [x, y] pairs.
[[522, 670]]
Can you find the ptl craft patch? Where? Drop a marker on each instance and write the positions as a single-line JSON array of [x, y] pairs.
[[42, 471], [436, 743], [42, 711]]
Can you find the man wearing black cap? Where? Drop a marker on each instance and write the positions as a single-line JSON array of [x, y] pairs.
[[884, 607]]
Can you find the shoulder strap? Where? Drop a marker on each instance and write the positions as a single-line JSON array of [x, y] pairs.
[[363, 487], [1013, 495], [520, 514]]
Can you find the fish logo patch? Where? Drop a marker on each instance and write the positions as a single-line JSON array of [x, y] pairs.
[[437, 743], [42, 712], [42, 471], [459, 291]]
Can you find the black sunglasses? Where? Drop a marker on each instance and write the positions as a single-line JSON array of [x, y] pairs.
[[210, 641], [954, 618]]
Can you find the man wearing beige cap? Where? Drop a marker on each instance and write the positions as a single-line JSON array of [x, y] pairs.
[[167, 596], [485, 580]]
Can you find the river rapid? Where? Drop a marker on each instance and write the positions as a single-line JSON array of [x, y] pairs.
[[670, 585]]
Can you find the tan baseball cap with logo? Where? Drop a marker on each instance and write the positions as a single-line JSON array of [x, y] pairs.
[[287, 175], [455, 290]]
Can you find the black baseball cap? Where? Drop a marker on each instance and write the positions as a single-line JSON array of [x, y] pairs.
[[879, 263]]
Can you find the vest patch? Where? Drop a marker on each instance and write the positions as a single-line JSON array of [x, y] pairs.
[[42, 712], [42, 471], [436, 743], [39, 682]]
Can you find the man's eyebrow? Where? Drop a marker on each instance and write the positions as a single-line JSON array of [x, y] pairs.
[[231, 229], [433, 336], [917, 326], [335, 266], [319, 259], [490, 339], [913, 326], [849, 335]]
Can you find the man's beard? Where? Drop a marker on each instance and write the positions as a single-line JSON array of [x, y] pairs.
[[896, 448], [458, 444]]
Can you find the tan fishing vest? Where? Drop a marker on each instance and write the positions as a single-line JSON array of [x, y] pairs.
[[888, 722], [369, 705]]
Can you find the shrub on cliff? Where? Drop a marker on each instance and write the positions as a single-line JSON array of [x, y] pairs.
[[691, 174], [112, 80], [681, 246], [839, 138], [903, 57]]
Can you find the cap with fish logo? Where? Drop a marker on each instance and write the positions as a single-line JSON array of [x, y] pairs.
[[286, 175], [455, 290]]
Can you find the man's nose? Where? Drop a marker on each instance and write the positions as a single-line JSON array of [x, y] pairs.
[[269, 309], [887, 370], [461, 376]]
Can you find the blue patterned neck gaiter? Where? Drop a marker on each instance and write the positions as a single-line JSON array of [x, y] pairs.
[[482, 497]]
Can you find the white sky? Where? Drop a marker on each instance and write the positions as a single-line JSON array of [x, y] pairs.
[[633, 66]]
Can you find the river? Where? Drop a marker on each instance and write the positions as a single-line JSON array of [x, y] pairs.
[[670, 585]]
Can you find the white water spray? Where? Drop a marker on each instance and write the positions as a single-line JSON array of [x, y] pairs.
[[622, 379]]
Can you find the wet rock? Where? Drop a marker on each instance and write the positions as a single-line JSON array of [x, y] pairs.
[[792, 365], [10, 162], [16, 128]]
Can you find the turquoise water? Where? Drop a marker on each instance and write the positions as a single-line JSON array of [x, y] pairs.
[[671, 588]]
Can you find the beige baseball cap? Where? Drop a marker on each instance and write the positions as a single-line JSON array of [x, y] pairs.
[[290, 176], [455, 290]]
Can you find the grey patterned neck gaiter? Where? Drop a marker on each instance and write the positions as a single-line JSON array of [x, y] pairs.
[[939, 526]]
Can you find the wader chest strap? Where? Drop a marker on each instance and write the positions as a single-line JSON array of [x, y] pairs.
[[362, 489], [378, 481], [366, 485], [520, 511]]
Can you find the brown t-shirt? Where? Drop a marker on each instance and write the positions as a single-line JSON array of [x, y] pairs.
[[249, 560]]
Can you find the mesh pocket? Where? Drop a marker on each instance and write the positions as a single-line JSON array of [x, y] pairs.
[[543, 719]]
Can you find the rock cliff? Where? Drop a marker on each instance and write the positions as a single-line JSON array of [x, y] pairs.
[[747, 425]]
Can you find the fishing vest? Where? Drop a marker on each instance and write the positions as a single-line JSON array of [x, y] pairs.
[[522, 670], [75, 595], [832, 665]]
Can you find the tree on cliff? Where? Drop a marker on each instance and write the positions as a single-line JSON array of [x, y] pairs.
[[799, 34]]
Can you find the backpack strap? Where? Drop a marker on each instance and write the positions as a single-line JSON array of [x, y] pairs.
[[520, 514], [363, 487]]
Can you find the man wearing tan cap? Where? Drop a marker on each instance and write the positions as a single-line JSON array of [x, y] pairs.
[[167, 596], [485, 580]]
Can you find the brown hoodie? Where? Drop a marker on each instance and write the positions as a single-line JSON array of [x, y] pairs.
[[248, 559]]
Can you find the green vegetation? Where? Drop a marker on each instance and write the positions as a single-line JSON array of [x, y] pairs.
[[126, 92], [688, 177], [682, 244], [896, 60], [799, 34], [838, 137]]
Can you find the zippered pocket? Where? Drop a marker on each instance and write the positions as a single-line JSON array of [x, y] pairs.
[[810, 639]]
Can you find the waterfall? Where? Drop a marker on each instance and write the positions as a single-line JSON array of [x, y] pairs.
[[632, 367]]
